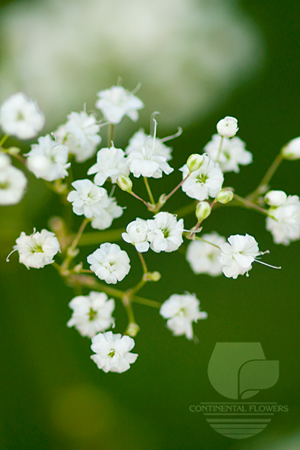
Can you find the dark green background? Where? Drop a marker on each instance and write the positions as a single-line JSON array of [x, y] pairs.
[[54, 397]]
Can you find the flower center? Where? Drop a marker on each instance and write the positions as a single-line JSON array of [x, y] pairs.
[[202, 177], [112, 352], [92, 314], [37, 249], [4, 185]]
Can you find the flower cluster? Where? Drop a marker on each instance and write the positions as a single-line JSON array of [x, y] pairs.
[[146, 156]]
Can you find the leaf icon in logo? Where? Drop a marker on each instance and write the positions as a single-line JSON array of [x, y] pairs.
[[256, 375]]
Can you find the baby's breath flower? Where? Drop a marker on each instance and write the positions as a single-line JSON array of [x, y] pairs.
[[111, 163], [113, 352], [147, 163], [292, 149], [48, 160], [91, 313], [109, 263], [141, 139], [275, 198], [21, 117], [203, 257], [227, 127], [284, 221], [12, 182], [116, 102], [87, 199], [36, 250], [165, 232], [137, 233], [181, 311], [110, 211]]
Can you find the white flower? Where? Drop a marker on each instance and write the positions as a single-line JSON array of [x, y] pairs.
[[147, 163], [12, 182], [109, 263], [110, 210], [275, 198], [203, 257], [36, 250], [21, 117], [113, 352], [117, 102], [88, 199], [227, 127], [91, 313], [137, 234], [165, 233], [203, 183], [182, 311], [48, 160], [111, 163], [233, 153], [141, 139], [80, 134], [292, 149], [237, 256], [285, 227]]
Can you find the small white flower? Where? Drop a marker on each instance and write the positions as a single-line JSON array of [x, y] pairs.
[[292, 149], [110, 211], [109, 263], [237, 256], [203, 183], [275, 198], [12, 182], [165, 232], [21, 117], [203, 257], [91, 313], [284, 221], [181, 311], [137, 234], [113, 352], [141, 139], [233, 153], [36, 250], [111, 163], [80, 134], [48, 160], [227, 127], [88, 199], [145, 162], [117, 102]]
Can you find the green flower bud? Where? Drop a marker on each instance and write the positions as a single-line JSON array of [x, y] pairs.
[[132, 329], [224, 196], [194, 162], [124, 183], [203, 210]]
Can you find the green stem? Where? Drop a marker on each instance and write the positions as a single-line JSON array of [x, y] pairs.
[[110, 135], [149, 190], [250, 205], [207, 242], [144, 265], [176, 188], [139, 198], [264, 184], [220, 148], [3, 139], [99, 237]]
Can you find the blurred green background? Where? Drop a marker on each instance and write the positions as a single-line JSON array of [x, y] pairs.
[[52, 396]]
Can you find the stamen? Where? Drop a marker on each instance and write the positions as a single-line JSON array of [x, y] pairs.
[[135, 90], [119, 82], [168, 138], [152, 121], [7, 258], [268, 265]]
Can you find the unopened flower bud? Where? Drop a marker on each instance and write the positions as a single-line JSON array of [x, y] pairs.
[[224, 196], [124, 183], [194, 162], [227, 127], [132, 329], [203, 210], [154, 276], [275, 198], [292, 149]]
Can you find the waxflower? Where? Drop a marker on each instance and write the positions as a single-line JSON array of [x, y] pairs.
[[36, 250], [113, 352], [283, 221], [91, 313], [204, 182], [233, 153], [12, 182], [165, 232], [137, 233], [203, 257], [238, 254], [111, 163], [21, 117], [117, 102], [80, 134], [227, 127], [109, 263], [181, 311], [48, 159]]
